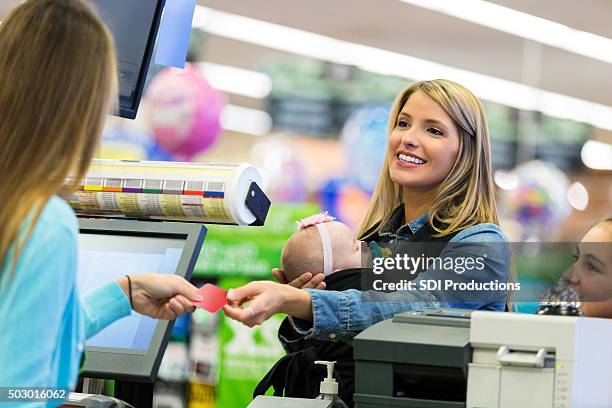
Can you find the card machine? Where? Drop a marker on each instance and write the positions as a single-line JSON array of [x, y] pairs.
[[76, 399]]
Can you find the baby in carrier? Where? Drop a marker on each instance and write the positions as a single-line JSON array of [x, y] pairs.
[[320, 244]]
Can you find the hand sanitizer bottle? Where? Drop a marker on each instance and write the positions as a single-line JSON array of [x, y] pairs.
[[329, 386]]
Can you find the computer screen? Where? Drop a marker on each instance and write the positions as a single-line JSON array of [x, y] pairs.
[[104, 258], [134, 25], [132, 347]]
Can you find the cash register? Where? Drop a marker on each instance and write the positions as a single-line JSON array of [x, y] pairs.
[[480, 359], [129, 350], [415, 359]]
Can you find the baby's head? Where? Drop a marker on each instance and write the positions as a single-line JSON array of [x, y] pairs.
[[591, 274], [320, 245]]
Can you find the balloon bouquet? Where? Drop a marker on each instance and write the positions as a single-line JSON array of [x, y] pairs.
[[185, 114], [539, 200]]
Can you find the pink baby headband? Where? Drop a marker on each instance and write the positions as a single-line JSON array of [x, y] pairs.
[[319, 220]]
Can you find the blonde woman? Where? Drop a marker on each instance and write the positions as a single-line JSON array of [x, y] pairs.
[[57, 81], [436, 185]]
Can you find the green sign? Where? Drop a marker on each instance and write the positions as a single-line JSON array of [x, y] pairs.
[[246, 355]]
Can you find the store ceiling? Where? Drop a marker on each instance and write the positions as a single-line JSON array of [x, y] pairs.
[[6, 5], [587, 15], [407, 29]]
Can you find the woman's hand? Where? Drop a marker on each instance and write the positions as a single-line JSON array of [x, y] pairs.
[[304, 281], [266, 299], [161, 296]]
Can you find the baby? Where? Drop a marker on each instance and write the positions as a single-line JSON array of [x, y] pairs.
[[321, 244]]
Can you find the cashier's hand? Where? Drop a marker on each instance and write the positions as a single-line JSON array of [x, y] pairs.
[[161, 296], [304, 281]]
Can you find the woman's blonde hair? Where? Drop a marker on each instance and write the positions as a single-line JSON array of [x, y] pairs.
[[57, 80], [467, 195]]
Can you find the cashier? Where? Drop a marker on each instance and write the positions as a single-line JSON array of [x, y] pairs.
[[57, 83], [436, 184]]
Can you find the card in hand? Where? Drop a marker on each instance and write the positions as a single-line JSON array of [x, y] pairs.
[[214, 298]]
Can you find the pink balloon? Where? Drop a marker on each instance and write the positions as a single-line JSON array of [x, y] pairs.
[[185, 111]]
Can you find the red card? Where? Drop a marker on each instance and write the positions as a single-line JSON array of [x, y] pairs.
[[214, 298]]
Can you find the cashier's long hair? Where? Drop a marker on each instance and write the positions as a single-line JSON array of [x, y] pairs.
[[57, 80], [467, 195]]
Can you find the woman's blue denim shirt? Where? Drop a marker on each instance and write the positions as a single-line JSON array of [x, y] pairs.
[[342, 315]]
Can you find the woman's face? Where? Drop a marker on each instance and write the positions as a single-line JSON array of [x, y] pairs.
[[591, 274], [424, 144]]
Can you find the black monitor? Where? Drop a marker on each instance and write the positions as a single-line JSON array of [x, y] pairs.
[[131, 348], [134, 25]]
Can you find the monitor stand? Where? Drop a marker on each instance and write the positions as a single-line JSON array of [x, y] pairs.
[[137, 394]]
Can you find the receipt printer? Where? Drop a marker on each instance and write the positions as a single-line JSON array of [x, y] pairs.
[[450, 358], [521, 360]]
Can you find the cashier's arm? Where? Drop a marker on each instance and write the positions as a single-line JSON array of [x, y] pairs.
[[160, 296]]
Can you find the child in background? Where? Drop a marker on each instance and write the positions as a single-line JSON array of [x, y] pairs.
[[586, 287], [591, 274]]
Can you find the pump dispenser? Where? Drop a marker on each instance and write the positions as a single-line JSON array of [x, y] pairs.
[[329, 386]]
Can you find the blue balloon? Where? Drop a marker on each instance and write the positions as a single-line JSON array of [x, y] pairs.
[[328, 196], [364, 137]]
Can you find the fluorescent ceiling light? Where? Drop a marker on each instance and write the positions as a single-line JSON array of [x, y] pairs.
[[523, 25], [385, 62], [245, 120], [597, 155], [236, 80]]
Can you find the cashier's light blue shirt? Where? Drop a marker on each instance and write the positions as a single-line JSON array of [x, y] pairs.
[[342, 315], [43, 320]]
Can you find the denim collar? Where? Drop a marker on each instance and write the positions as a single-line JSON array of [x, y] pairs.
[[396, 227]]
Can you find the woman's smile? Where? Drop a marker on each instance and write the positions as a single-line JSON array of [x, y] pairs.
[[409, 160]]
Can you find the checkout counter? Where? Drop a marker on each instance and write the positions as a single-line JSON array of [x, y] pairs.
[[478, 359], [449, 358]]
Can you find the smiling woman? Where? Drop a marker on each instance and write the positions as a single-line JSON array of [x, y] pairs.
[[435, 187], [442, 124]]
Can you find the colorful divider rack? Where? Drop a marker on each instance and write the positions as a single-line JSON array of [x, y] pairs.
[[196, 188]]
